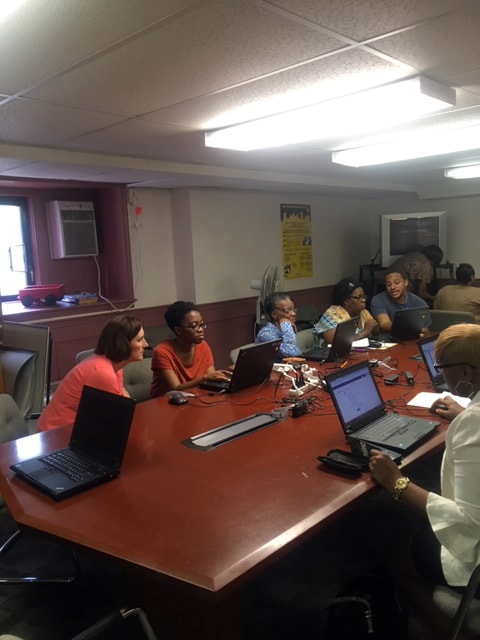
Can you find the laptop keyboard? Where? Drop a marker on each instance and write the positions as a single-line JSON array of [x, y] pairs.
[[71, 464], [387, 426]]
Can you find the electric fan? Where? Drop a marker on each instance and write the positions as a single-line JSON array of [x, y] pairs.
[[270, 283]]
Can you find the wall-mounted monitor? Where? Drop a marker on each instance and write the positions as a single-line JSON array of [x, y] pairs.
[[400, 232]]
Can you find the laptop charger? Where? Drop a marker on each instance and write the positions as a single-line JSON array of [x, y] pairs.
[[393, 378], [409, 377], [300, 409]]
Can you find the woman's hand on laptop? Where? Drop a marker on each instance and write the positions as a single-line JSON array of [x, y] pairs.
[[220, 374]]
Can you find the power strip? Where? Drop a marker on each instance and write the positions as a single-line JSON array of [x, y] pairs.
[[294, 393]]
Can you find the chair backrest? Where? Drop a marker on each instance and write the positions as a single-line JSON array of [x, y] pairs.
[[81, 355], [306, 340], [308, 313], [12, 423], [160, 333], [462, 609], [137, 379], [442, 318]]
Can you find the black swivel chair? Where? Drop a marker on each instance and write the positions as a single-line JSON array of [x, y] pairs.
[[131, 624]]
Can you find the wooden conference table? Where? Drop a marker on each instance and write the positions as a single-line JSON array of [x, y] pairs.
[[192, 526]]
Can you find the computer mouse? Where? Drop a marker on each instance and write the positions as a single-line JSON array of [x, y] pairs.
[[177, 399], [442, 407]]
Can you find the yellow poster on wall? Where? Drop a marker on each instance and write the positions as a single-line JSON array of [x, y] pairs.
[[296, 221]]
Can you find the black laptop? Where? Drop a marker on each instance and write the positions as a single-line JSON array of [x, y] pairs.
[[95, 451], [341, 344], [426, 347], [364, 416], [253, 366], [407, 324]]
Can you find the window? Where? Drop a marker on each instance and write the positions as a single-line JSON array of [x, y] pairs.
[[16, 264]]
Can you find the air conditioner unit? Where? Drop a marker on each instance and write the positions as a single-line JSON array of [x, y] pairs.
[[71, 229]]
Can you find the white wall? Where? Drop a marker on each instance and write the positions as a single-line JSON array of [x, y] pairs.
[[152, 247], [208, 244]]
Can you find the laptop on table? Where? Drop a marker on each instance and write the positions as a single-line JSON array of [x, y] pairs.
[[253, 366], [364, 416], [95, 452], [426, 347], [407, 324], [341, 344]]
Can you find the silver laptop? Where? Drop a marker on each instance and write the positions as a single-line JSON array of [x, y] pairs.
[[253, 366], [426, 347], [364, 416], [95, 452]]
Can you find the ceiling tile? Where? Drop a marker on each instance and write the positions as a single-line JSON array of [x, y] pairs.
[[223, 44], [44, 37], [364, 19], [31, 122], [436, 48]]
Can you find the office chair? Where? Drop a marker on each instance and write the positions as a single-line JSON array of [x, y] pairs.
[[14, 425], [464, 609], [138, 626], [306, 340], [82, 355], [137, 379], [306, 317], [441, 319]]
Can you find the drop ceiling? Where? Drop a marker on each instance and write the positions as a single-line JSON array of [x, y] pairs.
[[123, 90]]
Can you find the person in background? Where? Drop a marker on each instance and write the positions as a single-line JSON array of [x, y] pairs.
[[348, 301], [395, 297], [186, 360], [121, 341], [281, 326], [419, 267], [462, 296], [446, 549]]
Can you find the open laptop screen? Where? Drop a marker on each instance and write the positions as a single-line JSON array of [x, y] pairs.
[[356, 395]]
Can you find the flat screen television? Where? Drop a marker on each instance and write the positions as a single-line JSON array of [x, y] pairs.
[[399, 232]]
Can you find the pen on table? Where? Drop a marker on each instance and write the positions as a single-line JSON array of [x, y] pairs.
[[344, 364]]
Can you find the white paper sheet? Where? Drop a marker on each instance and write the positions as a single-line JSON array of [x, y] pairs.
[[426, 399]]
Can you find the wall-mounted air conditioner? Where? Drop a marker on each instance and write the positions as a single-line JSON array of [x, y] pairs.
[[71, 229]]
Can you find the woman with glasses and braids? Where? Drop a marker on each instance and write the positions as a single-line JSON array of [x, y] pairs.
[[348, 301], [446, 547], [186, 360]]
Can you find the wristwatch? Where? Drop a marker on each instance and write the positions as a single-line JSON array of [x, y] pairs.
[[400, 485]]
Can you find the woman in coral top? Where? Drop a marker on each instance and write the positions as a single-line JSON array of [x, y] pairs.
[[121, 341], [187, 360]]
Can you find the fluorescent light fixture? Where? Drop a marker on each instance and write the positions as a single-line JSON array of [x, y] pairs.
[[374, 109], [409, 146], [463, 173]]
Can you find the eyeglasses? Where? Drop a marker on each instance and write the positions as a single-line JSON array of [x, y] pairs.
[[440, 367], [289, 311], [195, 326], [364, 297]]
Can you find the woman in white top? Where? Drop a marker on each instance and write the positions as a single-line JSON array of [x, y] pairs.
[[448, 548]]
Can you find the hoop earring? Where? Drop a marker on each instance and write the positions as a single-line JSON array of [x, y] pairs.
[[466, 382]]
